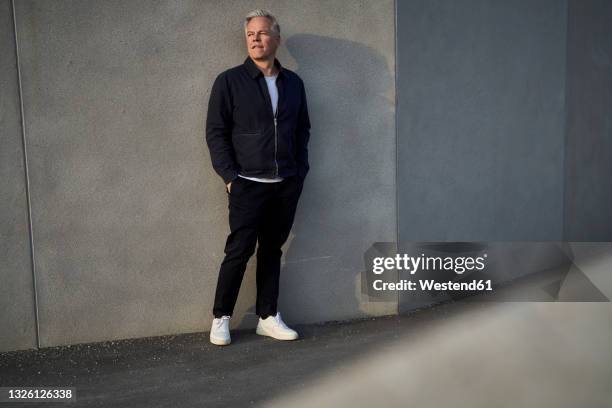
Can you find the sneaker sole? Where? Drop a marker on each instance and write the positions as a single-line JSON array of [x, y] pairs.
[[219, 342], [263, 332]]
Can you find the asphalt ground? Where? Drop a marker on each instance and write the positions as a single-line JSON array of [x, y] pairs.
[[476, 354], [187, 371]]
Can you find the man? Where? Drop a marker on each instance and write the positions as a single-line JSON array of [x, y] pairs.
[[257, 131]]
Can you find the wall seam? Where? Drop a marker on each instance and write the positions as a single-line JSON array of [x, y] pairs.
[[565, 124], [27, 177], [564, 226], [397, 237]]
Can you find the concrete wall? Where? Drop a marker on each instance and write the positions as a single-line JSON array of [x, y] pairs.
[[480, 128], [17, 318], [588, 191], [130, 219]]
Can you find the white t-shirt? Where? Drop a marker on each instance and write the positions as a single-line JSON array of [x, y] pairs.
[[273, 91]]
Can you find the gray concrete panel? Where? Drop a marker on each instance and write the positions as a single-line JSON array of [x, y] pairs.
[[480, 119], [129, 216], [349, 199], [17, 322], [588, 190]]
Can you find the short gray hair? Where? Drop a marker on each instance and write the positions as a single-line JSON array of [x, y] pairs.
[[263, 13]]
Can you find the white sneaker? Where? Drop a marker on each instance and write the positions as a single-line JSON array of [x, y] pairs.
[[273, 326], [219, 332]]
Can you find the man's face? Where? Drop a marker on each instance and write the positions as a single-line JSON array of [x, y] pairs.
[[261, 40]]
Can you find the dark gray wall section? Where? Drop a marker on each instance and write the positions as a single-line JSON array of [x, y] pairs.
[[481, 96], [17, 323], [588, 193], [130, 219]]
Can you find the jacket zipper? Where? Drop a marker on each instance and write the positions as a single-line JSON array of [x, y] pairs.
[[275, 142]]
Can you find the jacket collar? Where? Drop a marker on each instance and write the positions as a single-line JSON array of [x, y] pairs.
[[254, 72]]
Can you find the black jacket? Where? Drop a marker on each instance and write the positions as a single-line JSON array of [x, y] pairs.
[[240, 127]]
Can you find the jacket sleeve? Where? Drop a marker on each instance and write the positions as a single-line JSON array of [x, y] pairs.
[[302, 136], [219, 131]]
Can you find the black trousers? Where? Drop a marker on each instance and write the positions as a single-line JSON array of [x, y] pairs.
[[258, 212]]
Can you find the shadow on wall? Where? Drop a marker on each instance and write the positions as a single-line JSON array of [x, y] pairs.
[[348, 199]]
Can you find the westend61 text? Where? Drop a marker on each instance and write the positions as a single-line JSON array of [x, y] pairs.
[[428, 284]]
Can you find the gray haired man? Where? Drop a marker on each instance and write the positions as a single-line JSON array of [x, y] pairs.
[[257, 131]]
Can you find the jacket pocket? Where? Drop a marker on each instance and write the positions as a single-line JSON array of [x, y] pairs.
[[253, 151]]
